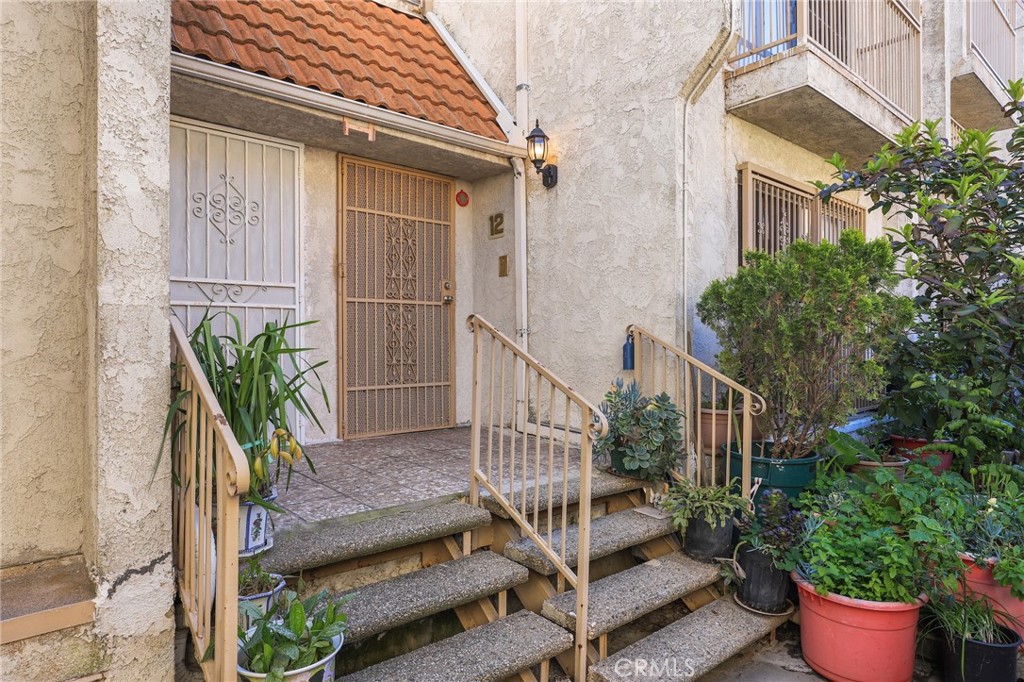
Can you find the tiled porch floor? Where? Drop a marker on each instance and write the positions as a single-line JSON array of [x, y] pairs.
[[376, 473], [391, 471]]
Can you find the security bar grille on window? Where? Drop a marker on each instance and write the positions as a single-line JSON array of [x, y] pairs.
[[775, 210]]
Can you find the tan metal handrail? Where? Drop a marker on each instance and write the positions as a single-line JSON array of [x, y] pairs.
[[993, 37], [878, 42], [209, 466], [515, 397], [662, 366]]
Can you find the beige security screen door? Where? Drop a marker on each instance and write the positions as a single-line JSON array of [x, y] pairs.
[[397, 293]]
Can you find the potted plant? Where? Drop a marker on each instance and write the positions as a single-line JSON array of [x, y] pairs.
[[294, 640], [259, 384], [258, 587], [992, 529], [645, 438], [958, 237], [865, 569], [705, 517], [975, 646], [767, 553], [859, 457], [718, 424], [796, 327]]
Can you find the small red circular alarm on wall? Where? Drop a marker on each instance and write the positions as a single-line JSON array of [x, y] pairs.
[[462, 199]]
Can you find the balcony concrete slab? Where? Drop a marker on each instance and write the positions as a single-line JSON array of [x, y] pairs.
[[808, 99], [976, 96]]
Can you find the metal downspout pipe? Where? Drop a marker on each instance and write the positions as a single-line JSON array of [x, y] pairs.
[[692, 90], [522, 119]]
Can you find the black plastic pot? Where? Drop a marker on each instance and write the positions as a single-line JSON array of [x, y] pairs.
[[704, 542], [765, 588], [974, 661]]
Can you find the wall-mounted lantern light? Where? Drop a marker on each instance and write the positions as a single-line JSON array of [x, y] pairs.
[[537, 150]]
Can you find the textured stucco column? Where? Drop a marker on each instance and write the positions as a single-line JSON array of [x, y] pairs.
[[131, 526], [937, 19]]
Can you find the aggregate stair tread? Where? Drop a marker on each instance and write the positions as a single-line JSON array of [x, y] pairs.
[[690, 647], [608, 534], [623, 597], [390, 603], [488, 653], [602, 484], [333, 540]]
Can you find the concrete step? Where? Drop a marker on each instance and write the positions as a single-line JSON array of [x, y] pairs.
[[602, 484], [333, 540], [608, 534], [689, 648], [488, 653], [379, 607], [623, 597]]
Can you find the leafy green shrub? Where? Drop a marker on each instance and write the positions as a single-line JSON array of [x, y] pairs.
[[291, 635], [645, 432], [880, 539], [713, 504], [795, 328], [962, 242]]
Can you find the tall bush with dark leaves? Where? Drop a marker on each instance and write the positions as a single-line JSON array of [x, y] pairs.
[[962, 241]]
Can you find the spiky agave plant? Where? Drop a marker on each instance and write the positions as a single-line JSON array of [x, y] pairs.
[[256, 383]]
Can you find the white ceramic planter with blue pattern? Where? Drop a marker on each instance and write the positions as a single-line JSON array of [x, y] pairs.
[[255, 529]]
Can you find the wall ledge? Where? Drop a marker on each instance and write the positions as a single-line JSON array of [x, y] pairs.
[[44, 597]]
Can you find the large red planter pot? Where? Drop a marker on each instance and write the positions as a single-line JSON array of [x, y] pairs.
[[981, 582], [906, 447], [854, 640]]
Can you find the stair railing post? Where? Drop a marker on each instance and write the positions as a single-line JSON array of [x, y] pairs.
[[583, 564], [474, 457]]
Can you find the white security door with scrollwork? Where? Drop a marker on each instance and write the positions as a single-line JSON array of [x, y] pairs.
[[397, 291], [234, 227]]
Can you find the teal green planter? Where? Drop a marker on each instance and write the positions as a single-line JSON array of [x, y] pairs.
[[619, 465], [791, 476]]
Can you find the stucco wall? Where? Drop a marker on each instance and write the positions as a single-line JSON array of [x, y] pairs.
[[44, 56], [130, 521], [603, 247], [85, 349], [320, 281]]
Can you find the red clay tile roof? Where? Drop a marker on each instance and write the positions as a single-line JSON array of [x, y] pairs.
[[356, 49]]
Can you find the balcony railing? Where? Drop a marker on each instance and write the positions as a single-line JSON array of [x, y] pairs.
[[990, 25], [877, 41], [211, 475], [524, 422]]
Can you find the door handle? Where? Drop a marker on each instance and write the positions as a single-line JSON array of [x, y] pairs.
[[447, 299]]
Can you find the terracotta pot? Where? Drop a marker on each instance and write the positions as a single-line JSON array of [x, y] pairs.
[[855, 640], [907, 447], [982, 584], [716, 428], [898, 468]]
